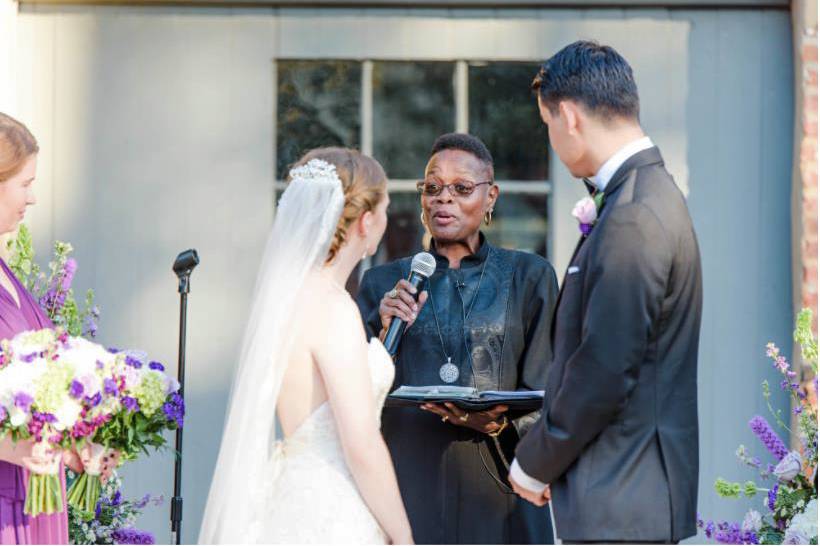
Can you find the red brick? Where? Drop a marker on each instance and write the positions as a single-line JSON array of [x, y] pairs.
[[809, 53], [811, 77], [810, 103]]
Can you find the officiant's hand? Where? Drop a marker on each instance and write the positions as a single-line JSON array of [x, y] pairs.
[[400, 302], [537, 498], [483, 421]]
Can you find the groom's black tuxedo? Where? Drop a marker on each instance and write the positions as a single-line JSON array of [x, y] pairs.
[[618, 435]]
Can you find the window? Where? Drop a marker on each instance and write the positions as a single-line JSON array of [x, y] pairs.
[[394, 111]]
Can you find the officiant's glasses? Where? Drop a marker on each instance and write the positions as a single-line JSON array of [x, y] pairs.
[[461, 188]]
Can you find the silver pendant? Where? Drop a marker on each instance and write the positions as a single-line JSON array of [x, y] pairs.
[[448, 372]]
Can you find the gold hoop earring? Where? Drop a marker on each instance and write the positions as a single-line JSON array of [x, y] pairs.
[[423, 222], [488, 217]]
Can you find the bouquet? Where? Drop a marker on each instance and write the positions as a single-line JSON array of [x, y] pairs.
[[47, 385], [143, 403], [64, 391], [791, 501]]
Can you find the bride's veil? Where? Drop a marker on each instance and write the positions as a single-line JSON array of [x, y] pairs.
[[305, 222]]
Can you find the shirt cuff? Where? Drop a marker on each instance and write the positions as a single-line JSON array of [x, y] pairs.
[[521, 478]]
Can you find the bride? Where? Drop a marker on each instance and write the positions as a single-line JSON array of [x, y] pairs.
[[330, 479]]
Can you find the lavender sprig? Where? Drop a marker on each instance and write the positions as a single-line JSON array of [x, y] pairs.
[[769, 437]]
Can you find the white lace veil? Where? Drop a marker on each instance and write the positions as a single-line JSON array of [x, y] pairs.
[[305, 222]]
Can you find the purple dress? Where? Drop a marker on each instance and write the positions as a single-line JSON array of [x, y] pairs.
[[15, 526]]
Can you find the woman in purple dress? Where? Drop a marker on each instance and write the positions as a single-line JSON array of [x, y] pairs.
[[19, 312]]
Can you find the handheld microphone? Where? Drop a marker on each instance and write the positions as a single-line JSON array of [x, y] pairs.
[[421, 268]]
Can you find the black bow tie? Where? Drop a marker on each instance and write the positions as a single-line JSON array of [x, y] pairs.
[[591, 187]]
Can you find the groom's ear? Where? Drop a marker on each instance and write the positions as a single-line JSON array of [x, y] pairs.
[[569, 116]]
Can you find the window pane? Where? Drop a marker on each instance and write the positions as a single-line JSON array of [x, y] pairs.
[[520, 223], [504, 114], [318, 104], [412, 104]]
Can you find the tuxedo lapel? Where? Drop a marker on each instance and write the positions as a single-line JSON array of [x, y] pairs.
[[650, 156]]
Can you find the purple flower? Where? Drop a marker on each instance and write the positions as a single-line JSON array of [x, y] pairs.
[[132, 536], [143, 502], [94, 401], [156, 366], [798, 410], [130, 403], [174, 409], [116, 499], [23, 401], [110, 386], [770, 439], [709, 530], [76, 389], [98, 510], [586, 229], [69, 269], [3, 414], [772, 497], [133, 362], [29, 357], [113, 350], [90, 326]]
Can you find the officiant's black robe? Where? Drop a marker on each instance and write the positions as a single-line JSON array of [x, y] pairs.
[[452, 478]]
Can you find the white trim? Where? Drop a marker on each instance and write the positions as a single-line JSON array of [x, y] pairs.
[[462, 96]]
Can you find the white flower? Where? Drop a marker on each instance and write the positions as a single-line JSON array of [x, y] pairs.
[[585, 211], [803, 526], [67, 414], [753, 521], [788, 468]]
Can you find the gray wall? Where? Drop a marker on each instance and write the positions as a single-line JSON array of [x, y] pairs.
[[157, 124]]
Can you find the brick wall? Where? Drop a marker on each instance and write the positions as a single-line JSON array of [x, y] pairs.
[[805, 169]]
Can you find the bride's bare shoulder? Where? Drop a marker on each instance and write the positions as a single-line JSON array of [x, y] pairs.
[[328, 305]]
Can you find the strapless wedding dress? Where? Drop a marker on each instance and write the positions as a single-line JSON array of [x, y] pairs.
[[313, 498]]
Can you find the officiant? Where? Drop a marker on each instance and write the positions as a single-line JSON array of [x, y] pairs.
[[484, 322]]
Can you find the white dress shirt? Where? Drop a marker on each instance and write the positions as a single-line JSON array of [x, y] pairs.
[[601, 179], [611, 165]]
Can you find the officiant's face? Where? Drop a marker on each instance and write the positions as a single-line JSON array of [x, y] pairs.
[[16, 194], [454, 218]]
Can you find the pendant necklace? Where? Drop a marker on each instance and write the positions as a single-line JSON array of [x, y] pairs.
[[449, 371]]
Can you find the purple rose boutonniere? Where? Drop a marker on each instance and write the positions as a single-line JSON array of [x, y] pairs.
[[586, 212]]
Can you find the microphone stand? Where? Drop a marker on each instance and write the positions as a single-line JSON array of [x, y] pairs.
[[183, 266]]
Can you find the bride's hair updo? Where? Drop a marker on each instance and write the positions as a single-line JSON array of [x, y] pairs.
[[363, 181], [16, 145]]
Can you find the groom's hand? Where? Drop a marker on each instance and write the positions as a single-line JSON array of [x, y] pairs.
[[482, 421], [537, 498]]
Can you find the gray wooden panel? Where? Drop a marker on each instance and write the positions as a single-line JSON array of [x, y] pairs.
[[163, 141], [739, 126]]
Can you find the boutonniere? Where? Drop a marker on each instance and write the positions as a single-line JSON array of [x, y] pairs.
[[586, 212]]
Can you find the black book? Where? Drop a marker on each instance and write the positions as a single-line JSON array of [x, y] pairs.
[[466, 398]]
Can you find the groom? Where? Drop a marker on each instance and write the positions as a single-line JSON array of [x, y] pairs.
[[618, 437]]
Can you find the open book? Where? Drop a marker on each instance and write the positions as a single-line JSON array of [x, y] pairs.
[[466, 398]]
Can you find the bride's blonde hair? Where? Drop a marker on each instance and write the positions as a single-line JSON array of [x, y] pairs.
[[363, 181]]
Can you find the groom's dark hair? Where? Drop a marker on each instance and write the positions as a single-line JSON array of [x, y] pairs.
[[593, 75]]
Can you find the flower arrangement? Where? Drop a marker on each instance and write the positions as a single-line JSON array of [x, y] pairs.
[[113, 519], [53, 291], [790, 503], [148, 402]]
